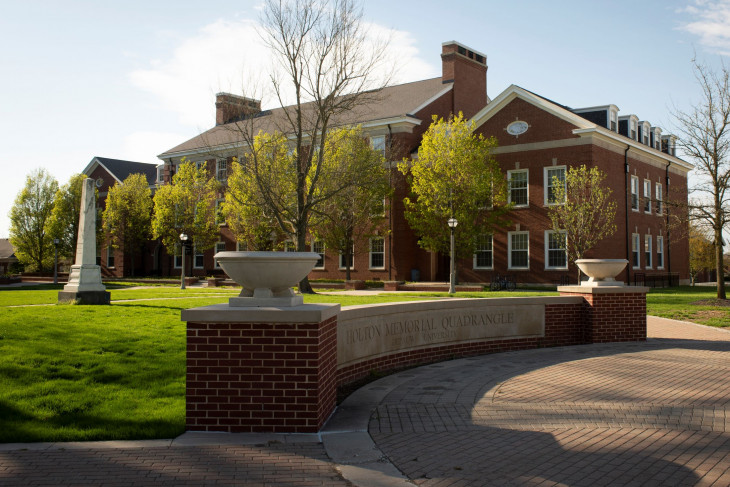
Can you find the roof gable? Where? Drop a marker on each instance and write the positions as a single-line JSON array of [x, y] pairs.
[[120, 169]]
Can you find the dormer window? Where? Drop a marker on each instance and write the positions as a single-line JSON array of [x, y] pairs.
[[613, 126], [644, 129], [656, 133], [633, 130]]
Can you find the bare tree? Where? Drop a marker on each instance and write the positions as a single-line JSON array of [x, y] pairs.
[[331, 67], [705, 138]]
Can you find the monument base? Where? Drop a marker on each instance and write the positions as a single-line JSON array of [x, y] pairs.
[[84, 297], [277, 302]]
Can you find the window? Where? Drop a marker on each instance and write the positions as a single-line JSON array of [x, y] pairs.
[[518, 187], [614, 121], [109, 256], [647, 251], [633, 129], [519, 253], [290, 246], [343, 262], [178, 256], [219, 218], [658, 197], [635, 242], [219, 247], [241, 246], [378, 144], [197, 259], [221, 169], [660, 252], [556, 256], [377, 253], [484, 256], [199, 164], [634, 193], [318, 247], [554, 175], [160, 173], [647, 196]]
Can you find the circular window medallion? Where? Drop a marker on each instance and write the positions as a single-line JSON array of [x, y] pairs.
[[517, 127], [99, 182]]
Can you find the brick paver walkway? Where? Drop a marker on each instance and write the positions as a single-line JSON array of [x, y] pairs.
[[654, 413]]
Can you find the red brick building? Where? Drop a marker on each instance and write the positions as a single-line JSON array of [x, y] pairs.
[[537, 139]]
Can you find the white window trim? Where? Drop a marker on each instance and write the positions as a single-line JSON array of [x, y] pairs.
[[509, 250], [241, 247], [110, 253], [477, 267], [218, 170], [647, 196], [217, 265], [379, 139], [340, 256], [546, 181], [547, 250], [161, 174], [290, 246], [195, 254], [648, 264], [638, 199], [370, 254], [660, 251], [323, 254], [659, 196], [218, 203], [527, 188], [636, 249]]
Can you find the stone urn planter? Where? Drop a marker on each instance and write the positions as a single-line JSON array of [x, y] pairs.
[[601, 272], [267, 277]]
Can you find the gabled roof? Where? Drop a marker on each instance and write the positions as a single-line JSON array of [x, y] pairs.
[[120, 169], [393, 104], [583, 126], [6, 249]]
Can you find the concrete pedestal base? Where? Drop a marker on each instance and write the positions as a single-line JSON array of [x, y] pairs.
[[84, 297]]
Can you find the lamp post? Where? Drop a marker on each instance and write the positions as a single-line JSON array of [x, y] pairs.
[[55, 260], [452, 275], [183, 243]]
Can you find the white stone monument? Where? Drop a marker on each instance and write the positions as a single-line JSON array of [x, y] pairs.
[[84, 281]]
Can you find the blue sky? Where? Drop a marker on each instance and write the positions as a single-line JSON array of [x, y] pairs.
[[131, 79]]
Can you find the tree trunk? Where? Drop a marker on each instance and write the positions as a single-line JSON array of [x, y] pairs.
[[719, 266], [304, 286]]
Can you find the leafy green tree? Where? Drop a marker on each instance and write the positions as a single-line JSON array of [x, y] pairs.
[[701, 251], [582, 208], [29, 217], [64, 221], [128, 214], [354, 213], [186, 206], [454, 176]]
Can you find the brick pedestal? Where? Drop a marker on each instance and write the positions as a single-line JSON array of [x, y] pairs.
[[612, 313], [260, 369]]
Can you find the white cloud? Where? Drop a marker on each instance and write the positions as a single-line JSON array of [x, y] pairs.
[[230, 56], [711, 23], [144, 146]]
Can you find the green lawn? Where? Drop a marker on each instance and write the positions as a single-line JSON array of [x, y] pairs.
[[70, 372]]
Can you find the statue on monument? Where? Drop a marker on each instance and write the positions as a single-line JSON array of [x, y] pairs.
[[84, 282]]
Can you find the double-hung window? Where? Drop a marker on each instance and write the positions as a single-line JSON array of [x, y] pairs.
[[377, 253], [484, 255], [378, 144], [519, 250], [554, 178], [518, 187], [556, 255], [219, 247], [219, 218], [344, 261], [109, 256], [221, 170], [634, 193], [318, 247], [647, 251], [635, 243], [658, 196], [197, 258], [660, 252], [647, 196]]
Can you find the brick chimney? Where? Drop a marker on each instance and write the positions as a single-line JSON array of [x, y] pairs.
[[467, 69], [230, 108]]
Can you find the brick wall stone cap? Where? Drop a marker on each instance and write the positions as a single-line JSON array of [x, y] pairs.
[[222, 313], [603, 289], [362, 311]]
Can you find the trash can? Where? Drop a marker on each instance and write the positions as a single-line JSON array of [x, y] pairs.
[[415, 275]]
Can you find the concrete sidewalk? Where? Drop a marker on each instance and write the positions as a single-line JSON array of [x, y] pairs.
[[650, 413]]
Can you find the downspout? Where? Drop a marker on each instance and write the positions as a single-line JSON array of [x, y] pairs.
[[390, 208], [628, 204], [666, 209]]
